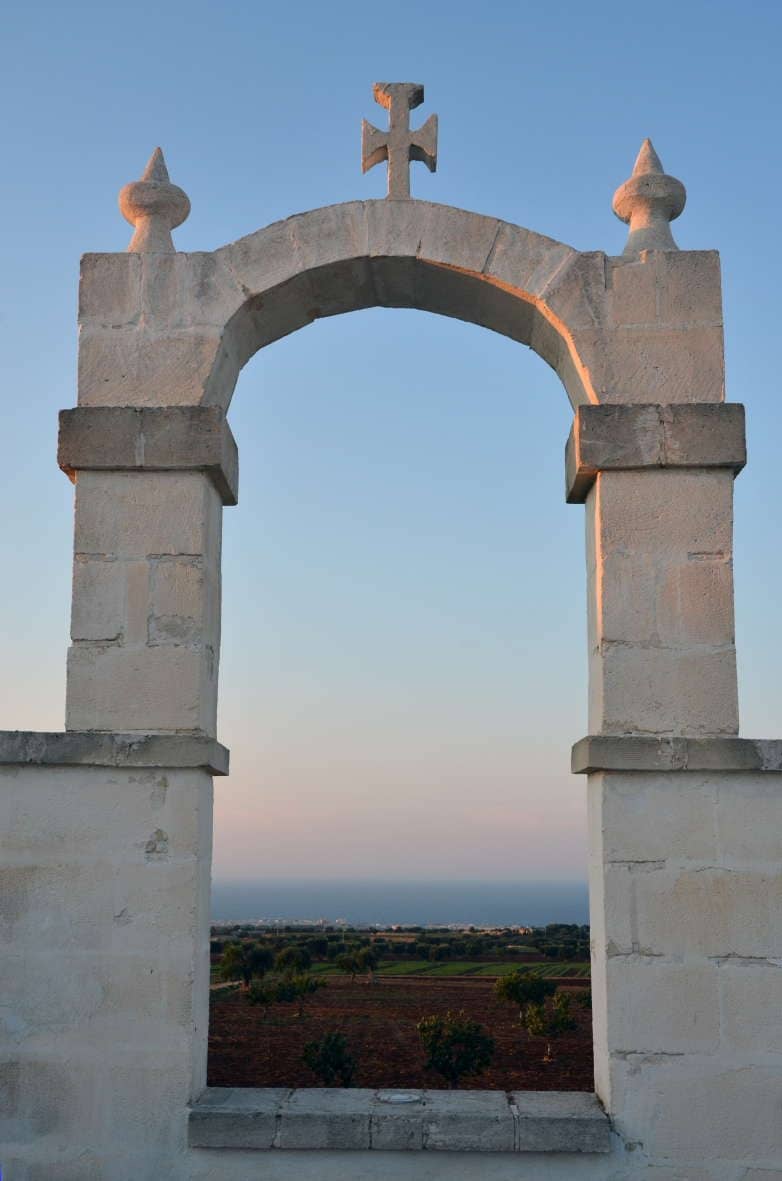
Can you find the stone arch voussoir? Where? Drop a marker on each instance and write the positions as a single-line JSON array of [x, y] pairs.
[[407, 254]]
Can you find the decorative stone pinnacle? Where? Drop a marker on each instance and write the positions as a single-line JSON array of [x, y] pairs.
[[649, 201], [399, 145], [155, 207]]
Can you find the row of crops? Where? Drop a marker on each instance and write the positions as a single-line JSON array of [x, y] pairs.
[[468, 968]]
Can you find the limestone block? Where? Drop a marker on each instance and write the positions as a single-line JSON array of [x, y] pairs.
[[708, 435], [607, 438], [660, 1007], [176, 600], [663, 365], [141, 514], [690, 287], [48, 1097], [329, 235], [664, 691], [451, 237], [525, 260], [341, 287], [182, 290], [149, 689], [471, 1121], [632, 289], [110, 290], [140, 367], [749, 820], [560, 1122], [396, 1126], [98, 611], [322, 1118], [666, 513], [123, 438], [575, 295], [263, 260], [603, 752], [20, 749], [752, 1005], [650, 818], [235, 1117], [38, 904], [709, 912], [705, 1110], [685, 602]]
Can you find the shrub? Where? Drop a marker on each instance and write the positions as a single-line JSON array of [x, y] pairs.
[[330, 1061], [524, 989], [292, 959], [549, 1023], [286, 990], [244, 961], [456, 1045]]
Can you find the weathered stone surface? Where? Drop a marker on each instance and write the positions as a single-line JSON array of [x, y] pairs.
[[396, 1120], [171, 438], [468, 1121], [323, 1118], [622, 438], [559, 1121], [668, 1008], [89, 748], [393, 1121], [602, 752], [235, 1117]]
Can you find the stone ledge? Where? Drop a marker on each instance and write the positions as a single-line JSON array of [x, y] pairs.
[[631, 438], [403, 1120], [88, 748], [603, 752], [162, 439]]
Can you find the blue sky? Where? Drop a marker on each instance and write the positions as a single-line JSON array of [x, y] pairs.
[[404, 664]]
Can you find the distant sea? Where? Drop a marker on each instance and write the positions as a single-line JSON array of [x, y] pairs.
[[410, 903]]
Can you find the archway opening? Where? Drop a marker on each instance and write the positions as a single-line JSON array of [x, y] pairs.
[[403, 663]]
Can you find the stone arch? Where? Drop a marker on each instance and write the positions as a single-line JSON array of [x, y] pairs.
[[435, 258]]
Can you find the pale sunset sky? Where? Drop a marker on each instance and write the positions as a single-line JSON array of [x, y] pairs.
[[404, 623]]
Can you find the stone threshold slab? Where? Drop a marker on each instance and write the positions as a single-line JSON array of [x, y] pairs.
[[602, 752], [93, 748], [407, 1120]]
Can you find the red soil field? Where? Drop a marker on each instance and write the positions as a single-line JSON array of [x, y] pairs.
[[250, 1047]]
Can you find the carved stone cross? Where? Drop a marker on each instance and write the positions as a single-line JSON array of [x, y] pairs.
[[399, 145]]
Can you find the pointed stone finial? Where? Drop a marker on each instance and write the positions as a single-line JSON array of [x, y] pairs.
[[649, 201], [155, 207]]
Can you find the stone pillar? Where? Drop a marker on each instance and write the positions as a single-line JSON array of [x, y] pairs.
[[145, 622], [658, 486]]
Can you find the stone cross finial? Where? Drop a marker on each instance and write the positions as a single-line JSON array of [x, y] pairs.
[[399, 145], [649, 201], [155, 207]]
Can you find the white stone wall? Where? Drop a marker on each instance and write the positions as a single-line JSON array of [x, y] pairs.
[[686, 908], [104, 969]]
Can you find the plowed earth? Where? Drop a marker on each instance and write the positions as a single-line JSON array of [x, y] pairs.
[[253, 1047]]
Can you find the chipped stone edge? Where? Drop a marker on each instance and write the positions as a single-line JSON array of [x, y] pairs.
[[598, 752], [103, 749], [275, 1119], [651, 435], [151, 439]]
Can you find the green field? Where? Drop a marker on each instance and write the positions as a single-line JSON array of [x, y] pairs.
[[446, 968]]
